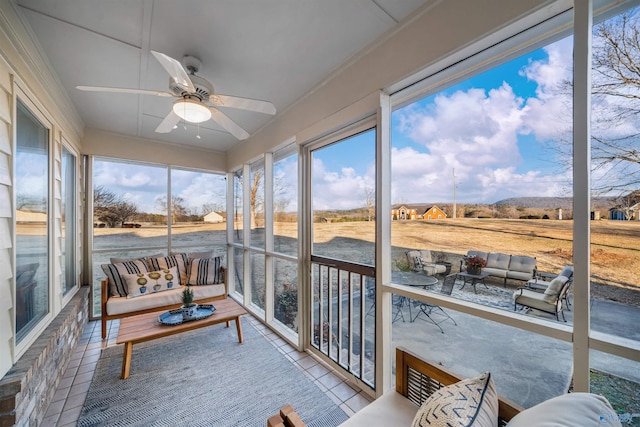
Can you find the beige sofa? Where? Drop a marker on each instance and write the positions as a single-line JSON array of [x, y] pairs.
[[117, 307], [516, 267], [418, 380]]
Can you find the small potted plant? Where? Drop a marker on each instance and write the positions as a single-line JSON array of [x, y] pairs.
[[189, 308], [475, 264]]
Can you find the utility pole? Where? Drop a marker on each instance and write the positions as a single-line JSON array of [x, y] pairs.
[[454, 193]]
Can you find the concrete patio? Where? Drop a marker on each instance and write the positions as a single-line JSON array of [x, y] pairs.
[[528, 367]]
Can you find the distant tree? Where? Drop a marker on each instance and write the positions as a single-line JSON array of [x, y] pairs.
[[616, 75], [256, 199], [370, 201], [178, 210], [616, 104], [627, 203], [110, 208]]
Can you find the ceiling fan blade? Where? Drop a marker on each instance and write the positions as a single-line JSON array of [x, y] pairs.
[[175, 70], [229, 125], [123, 90], [265, 107], [168, 123]]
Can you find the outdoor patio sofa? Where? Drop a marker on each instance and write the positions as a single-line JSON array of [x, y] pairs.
[[428, 389], [207, 278], [421, 260], [504, 266]]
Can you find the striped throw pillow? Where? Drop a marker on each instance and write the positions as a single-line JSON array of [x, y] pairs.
[[204, 271], [114, 272]]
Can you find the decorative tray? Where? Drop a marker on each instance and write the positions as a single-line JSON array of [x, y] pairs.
[[174, 317]]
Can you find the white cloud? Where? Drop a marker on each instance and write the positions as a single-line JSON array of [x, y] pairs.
[[344, 189], [548, 115], [477, 132]]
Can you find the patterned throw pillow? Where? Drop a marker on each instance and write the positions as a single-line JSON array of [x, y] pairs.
[[154, 281], [177, 260], [204, 271], [114, 273], [418, 264], [470, 402]]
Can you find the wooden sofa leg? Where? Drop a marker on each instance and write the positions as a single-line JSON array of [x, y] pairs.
[[103, 321]]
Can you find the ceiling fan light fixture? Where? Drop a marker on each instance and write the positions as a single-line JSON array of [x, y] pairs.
[[191, 111]]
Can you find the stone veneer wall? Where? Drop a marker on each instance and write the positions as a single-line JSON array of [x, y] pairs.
[[27, 389]]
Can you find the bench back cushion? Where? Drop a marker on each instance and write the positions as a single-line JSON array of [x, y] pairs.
[[500, 261], [524, 264]]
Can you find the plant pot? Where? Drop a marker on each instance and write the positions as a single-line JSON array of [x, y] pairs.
[[190, 311], [474, 270]]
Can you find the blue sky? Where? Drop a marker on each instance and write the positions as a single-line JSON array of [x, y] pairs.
[[493, 129], [146, 185]]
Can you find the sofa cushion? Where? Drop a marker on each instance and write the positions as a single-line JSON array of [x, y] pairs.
[[551, 293], [390, 409], [142, 284], [470, 402], [498, 261], [523, 264], [176, 260], [495, 272], [122, 305], [114, 272], [204, 271], [569, 410], [534, 299]]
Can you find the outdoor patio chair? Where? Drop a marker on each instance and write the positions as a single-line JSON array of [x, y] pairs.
[[422, 261], [549, 301], [541, 282], [430, 310]]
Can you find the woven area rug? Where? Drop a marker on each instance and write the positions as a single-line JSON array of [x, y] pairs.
[[203, 378]]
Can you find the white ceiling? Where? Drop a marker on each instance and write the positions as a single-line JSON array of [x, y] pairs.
[[270, 50]]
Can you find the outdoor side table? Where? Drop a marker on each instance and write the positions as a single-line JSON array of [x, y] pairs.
[[473, 279]]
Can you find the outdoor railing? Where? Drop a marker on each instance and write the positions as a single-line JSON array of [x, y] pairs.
[[343, 315]]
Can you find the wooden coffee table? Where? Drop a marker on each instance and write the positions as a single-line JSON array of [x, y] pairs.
[[146, 327]]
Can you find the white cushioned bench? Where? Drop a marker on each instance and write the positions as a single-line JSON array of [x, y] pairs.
[[117, 307], [417, 380]]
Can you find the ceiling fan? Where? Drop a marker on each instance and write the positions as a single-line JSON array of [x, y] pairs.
[[197, 102]]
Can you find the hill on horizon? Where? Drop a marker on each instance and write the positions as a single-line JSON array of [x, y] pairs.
[[553, 202]]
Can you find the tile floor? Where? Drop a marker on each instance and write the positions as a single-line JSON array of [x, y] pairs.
[[67, 402]]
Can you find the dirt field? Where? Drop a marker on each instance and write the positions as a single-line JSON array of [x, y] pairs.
[[615, 245]]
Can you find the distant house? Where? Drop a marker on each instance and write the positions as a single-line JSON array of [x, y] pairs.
[[403, 213], [434, 212], [213, 217], [619, 213], [413, 212]]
